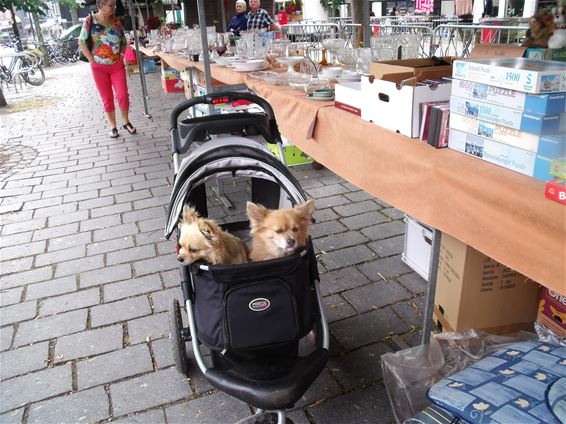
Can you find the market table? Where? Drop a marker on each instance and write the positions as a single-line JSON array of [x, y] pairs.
[[501, 213]]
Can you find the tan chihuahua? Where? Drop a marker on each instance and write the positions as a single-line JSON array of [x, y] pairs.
[[203, 239], [280, 232]]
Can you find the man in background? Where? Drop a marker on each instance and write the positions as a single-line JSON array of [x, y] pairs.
[[259, 18]]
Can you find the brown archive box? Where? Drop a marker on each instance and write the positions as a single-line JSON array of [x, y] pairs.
[[475, 291], [421, 69]]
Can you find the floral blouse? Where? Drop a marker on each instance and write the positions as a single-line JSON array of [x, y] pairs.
[[108, 42]]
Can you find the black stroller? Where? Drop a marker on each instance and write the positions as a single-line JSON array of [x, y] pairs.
[[262, 321]]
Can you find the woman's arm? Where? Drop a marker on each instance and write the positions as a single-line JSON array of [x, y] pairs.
[[85, 31], [86, 51]]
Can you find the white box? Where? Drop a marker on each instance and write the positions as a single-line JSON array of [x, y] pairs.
[[529, 76], [541, 104], [418, 246], [398, 109], [348, 97]]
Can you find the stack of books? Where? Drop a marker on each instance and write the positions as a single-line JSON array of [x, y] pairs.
[[510, 112]]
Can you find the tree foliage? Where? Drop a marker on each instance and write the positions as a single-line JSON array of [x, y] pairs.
[[33, 6]]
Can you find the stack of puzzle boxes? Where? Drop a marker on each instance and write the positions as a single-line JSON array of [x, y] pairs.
[[511, 112]]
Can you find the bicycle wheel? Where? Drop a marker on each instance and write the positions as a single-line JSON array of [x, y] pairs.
[[35, 76]]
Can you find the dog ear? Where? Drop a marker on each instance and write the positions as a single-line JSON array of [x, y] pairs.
[[256, 213], [209, 232], [190, 214], [306, 210]]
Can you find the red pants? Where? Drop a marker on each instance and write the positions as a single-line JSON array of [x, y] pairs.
[[108, 76]]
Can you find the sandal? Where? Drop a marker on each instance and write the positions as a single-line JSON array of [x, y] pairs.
[[113, 133], [130, 128]]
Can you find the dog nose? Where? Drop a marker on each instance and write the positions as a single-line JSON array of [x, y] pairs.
[[290, 242], [180, 259]]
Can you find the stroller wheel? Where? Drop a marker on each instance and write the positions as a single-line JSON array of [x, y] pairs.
[[263, 418], [177, 339]]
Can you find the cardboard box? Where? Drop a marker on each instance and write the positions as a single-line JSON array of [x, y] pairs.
[[397, 108], [398, 70], [552, 311], [529, 76], [475, 291], [541, 104], [504, 116], [417, 251], [506, 135], [348, 97], [172, 86], [518, 160], [546, 54]]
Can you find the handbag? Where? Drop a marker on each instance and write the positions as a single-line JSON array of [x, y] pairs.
[[88, 41]]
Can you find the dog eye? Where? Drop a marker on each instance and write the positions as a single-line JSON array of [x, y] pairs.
[[279, 230], [191, 250], [295, 229]]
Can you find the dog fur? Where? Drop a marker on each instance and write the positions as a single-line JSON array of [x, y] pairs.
[[280, 232], [203, 239]]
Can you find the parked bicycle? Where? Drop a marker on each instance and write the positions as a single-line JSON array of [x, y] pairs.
[[22, 64]]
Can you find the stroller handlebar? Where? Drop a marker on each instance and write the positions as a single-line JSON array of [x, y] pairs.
[[219, 98]]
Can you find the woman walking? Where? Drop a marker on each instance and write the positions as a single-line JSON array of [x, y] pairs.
[[107, 62]]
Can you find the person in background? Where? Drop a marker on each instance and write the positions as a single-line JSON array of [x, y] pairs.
[[259, 18], [240, 21], [107, 62], [393, 11], [282, 16]]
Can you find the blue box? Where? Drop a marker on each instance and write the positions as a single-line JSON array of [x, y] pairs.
[[541, 104], [149, 66], [501, 115]]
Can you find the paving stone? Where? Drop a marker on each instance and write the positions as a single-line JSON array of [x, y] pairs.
[[113, 366], [12, 417], [10, 296], [149, 237], [85, 406], [135, 286], [121, 310], [6, 334], [18, 217], [51, 288], [336, 308], [23, 278], [129, 255], [122, 230], [143, 214], [331, 201], [339, 241], [54, 232], [215, 408], [414, 282], [163, 353], [52, 258], [409, 313], [384, 230], [326, 228], [105, 275], [69, 302], [347, 256], [362, 406], [67, 218], [153, 326], [23, 360], [16, 265], [18, 312], [151, 225], [376, 295], [155, 416], [162, 300], [393, 213], [359, 195], [16, 239], [34, 387], [346, 368], [88, 343], [384, 268], [110, 210], [326, 191], [340, 280], [110, 245], [50, 327], [21, 250], [99, 202], [356, 208], [75, 240], [323, 387], [362, 220], [148, 391], [151, 202], [367, 328], [55, 210], [79, 265], [171, 278], [157, 264], [388, 247], [101, 222]]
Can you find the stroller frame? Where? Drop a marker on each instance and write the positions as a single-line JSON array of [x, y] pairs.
[[265, 395]]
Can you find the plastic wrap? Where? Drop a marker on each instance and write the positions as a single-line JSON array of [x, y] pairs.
[[407, 374]]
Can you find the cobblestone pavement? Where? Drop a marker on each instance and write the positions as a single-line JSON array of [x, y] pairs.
[[87, 277]]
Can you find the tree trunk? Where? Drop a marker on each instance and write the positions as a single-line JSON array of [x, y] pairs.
[[358, 18], [3, 102], [74, 15], [14, 23], [40, 42]]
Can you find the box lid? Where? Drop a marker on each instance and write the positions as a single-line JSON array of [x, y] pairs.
[[485, 51], [420, 69]]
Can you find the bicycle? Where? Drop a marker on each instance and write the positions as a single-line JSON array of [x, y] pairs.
[[24, 65]]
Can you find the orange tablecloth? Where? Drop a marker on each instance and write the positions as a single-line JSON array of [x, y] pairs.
[[497, 211]]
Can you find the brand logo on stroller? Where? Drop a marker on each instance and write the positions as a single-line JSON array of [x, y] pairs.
[[259, 304]]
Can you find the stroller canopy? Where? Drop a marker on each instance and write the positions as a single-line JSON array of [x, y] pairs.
[[230, 156]]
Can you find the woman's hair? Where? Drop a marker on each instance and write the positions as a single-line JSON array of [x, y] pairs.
[[243, 3], [100, 3]]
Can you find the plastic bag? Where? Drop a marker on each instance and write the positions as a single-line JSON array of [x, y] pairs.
[[409, 373], [130, 56]]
